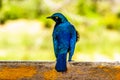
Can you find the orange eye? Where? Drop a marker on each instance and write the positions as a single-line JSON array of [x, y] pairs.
[[56, 17]]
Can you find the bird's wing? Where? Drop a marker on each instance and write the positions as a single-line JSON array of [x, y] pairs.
[[72, 41], [55, 43]]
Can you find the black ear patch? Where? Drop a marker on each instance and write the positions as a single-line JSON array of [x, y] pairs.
[[57, 19]]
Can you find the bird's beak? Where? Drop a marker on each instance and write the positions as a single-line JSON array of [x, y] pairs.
[[49, 17]]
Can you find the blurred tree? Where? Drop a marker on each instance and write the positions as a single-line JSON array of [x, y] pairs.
[[14, 9], [0, 4], [87, 7]]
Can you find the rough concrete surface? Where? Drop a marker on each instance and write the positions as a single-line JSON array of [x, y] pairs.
[[31, 70]]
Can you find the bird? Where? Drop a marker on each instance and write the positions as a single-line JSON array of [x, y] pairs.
[[65, 37]]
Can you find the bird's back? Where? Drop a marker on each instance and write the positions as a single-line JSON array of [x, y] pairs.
[[62, 32]]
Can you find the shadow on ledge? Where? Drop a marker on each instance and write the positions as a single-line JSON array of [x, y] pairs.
[[28, 70]]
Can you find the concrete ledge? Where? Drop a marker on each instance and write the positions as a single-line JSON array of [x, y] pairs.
[[28, 70]]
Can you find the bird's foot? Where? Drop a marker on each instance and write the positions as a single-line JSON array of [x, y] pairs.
[[64, 72], [70, 60]]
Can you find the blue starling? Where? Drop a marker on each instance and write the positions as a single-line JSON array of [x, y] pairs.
[[65, 37]]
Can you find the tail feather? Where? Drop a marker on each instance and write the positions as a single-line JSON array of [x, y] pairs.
[[77, 36], [61, 63]]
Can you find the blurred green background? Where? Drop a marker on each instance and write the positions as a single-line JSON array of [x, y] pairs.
[[26, 34]]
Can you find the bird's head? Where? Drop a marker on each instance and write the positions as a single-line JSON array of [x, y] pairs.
[[58, 18]]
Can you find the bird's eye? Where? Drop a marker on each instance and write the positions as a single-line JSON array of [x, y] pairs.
[[56, 17]]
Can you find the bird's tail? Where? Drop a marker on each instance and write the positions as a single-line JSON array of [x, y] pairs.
[[61, 63], [77, 36]]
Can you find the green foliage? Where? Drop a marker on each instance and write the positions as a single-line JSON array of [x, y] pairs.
[[88, 7], [95, 20], [32, 9], [16, 9]]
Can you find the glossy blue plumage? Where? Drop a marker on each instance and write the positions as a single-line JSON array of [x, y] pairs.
[[64, 40]]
